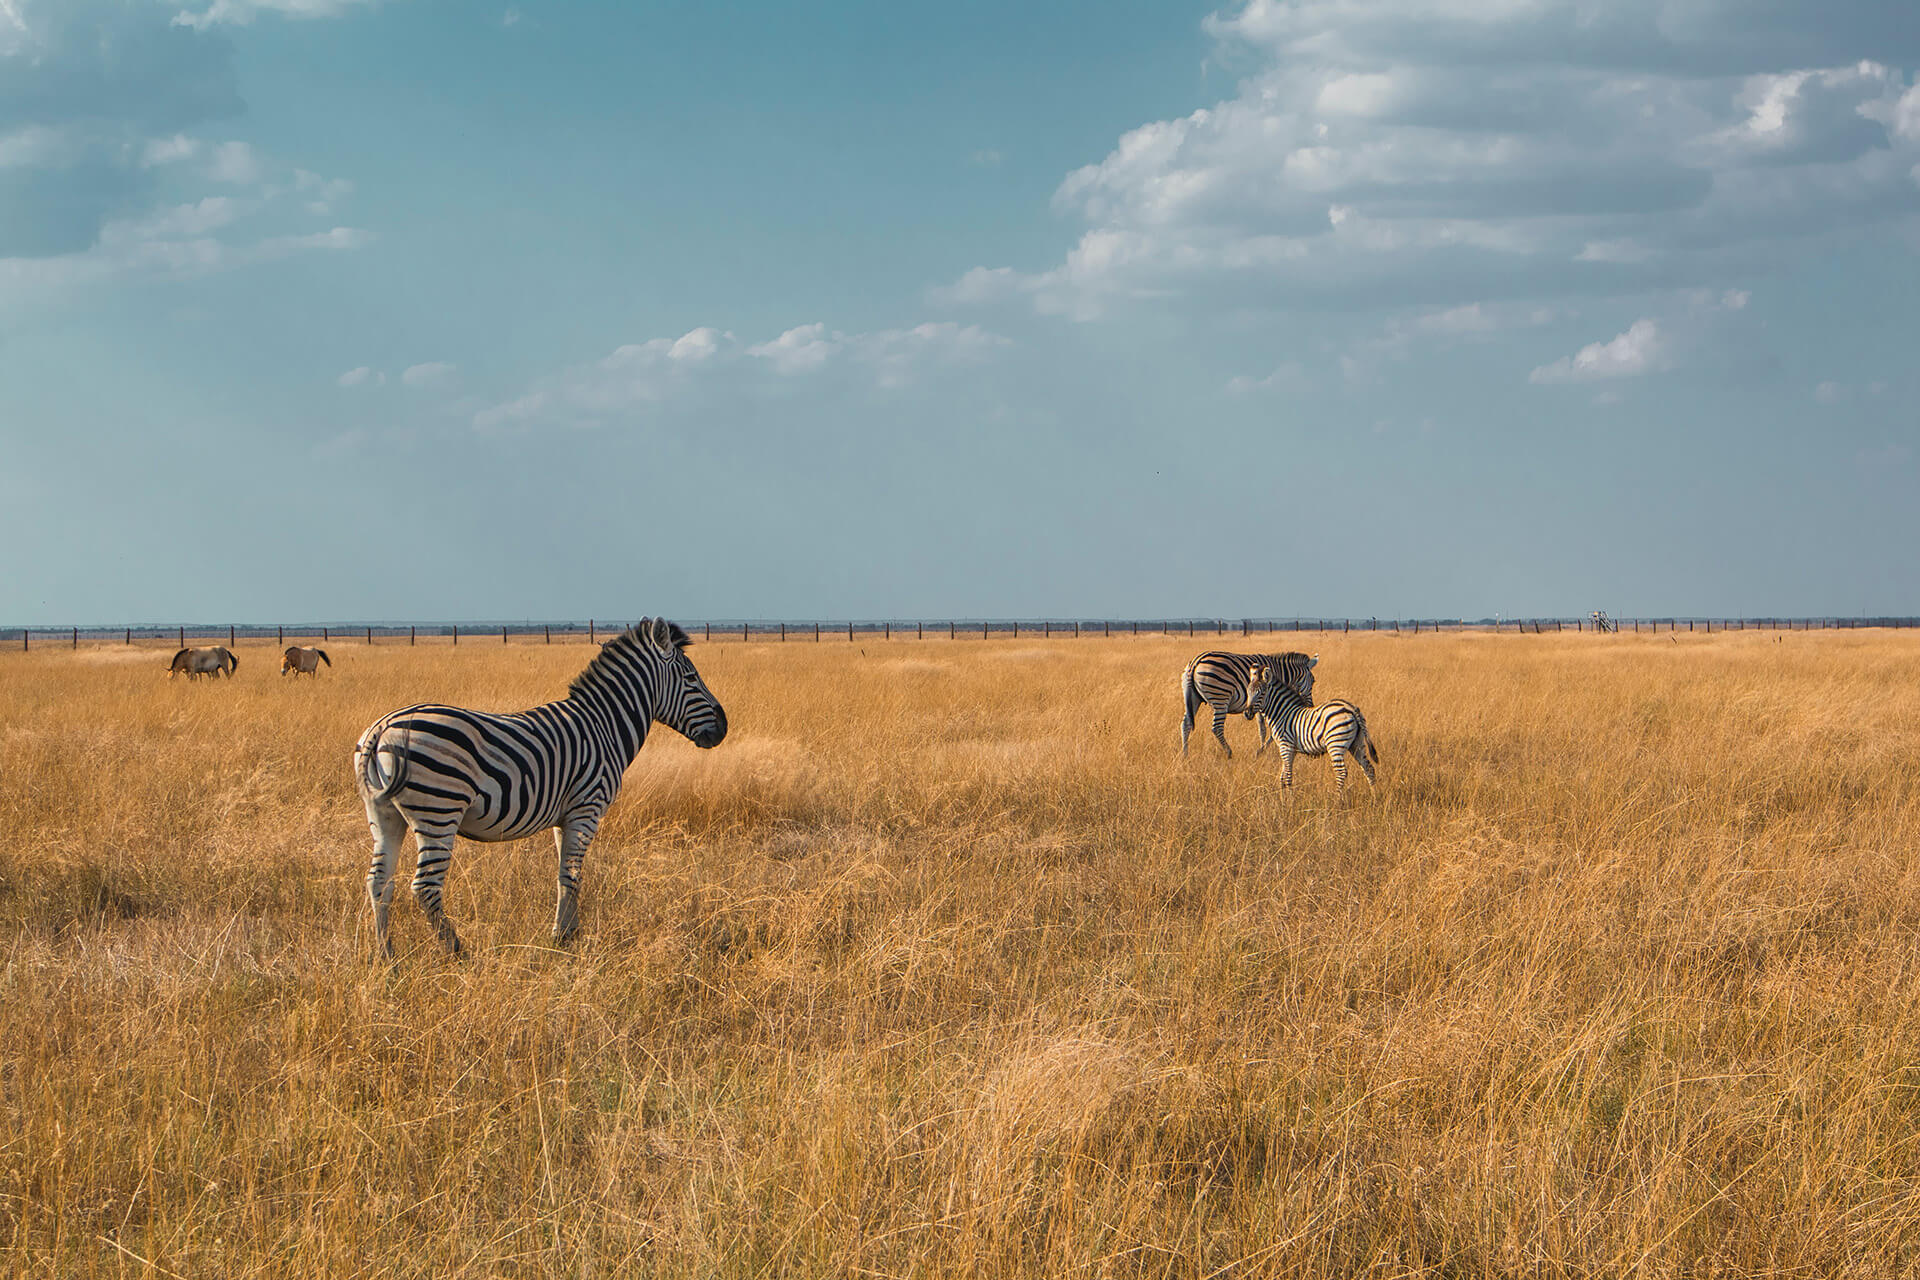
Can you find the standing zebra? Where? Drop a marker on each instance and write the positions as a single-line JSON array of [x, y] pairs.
[[1335, 729], [447, 771], [1224, 680]]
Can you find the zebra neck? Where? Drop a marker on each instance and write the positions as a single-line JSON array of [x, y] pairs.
[[626, 722]]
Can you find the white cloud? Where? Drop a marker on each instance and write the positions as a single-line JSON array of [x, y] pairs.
[[35, 146], [242, 12], [233, 162], [362, 377], [1398, 152], [708, 361], [799, 350], [1287, 374], [434, 373], [1640, 350], [170, 150]]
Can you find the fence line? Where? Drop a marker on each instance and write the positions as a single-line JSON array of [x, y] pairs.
[[811, 631]]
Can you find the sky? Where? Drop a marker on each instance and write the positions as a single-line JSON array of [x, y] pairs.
[[446, 309]]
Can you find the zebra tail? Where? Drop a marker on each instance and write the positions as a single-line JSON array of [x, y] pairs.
[[233, 661], [1189, 691], [323, 656], [1371, 749], [378, 792]]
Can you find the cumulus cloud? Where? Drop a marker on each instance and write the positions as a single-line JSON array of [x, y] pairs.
[[362, 377], [1397, 152], [662, 371], [101, 108], [1641, 349]]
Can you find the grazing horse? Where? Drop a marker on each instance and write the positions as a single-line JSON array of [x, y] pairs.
[[203, 662], [303, 661]]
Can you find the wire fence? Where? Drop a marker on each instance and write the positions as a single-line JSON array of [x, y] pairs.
[[592, 630]]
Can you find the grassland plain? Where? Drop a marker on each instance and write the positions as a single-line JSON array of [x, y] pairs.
[[946, 963]]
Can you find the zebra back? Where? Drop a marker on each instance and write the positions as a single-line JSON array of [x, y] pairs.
[[1310, 729], [1225, 680]]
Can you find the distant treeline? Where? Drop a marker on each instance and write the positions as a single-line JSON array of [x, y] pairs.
[[812, 630]]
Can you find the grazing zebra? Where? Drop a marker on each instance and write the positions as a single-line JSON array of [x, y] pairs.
[[1335, 729], [302, 661], [203, 662], [447, 771], [1223, 680]]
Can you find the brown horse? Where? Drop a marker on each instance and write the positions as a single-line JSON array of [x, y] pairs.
[[203, 662], [303, 661]]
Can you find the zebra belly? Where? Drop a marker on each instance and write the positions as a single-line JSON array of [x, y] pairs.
[[475, 828]]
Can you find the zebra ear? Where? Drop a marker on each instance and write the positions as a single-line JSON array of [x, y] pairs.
[[1314, 661], [659, 632]]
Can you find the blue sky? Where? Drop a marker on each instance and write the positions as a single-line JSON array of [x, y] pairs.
[[425, 310]]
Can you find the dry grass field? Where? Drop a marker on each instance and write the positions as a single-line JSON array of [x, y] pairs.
[[947, 964]]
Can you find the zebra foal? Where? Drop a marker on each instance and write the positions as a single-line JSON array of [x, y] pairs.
[[447, 771], [1335, 729], [1224, 681]]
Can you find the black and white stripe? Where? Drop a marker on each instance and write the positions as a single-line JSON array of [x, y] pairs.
[[446, 771], [1335, 729], [1224, 682]]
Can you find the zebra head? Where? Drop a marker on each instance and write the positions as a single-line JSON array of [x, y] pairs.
[[1271, 691], [1292, 669], [644, 671], [684, 703]]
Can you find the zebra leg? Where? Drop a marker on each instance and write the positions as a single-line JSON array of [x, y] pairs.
[[570, 840], [429, 875], [1286, 760], [1360, 754], [389, 829], [1339, 757], [1265, 730], [1220, 729], [1186, 724]]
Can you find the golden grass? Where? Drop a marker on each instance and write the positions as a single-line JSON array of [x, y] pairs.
[[945, 963]]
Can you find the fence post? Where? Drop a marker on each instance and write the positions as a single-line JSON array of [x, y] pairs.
[[548, 629], [1016, 631], [983, 629], [919, 631], [280, 634], [589, 630], [743, 633], [888, 635], [26, 645], [783, 633], [456, 637], [411, 637], [183, 637], [369, 635], [129, 635], [709, 630], [849, 633], [816, 633], [326, 634]]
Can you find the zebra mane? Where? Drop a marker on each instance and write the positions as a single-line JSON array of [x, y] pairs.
[[626, 650]]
